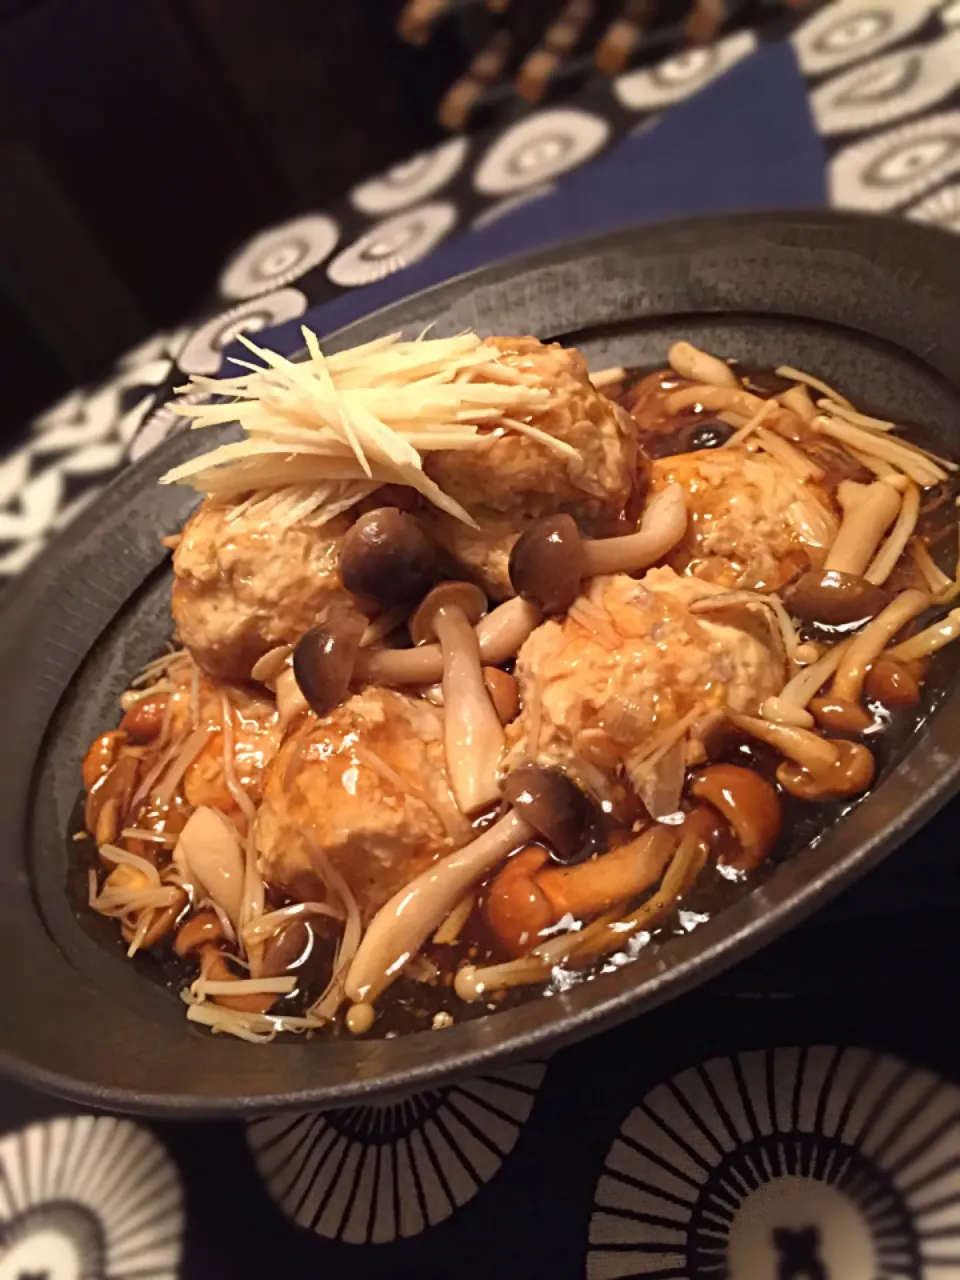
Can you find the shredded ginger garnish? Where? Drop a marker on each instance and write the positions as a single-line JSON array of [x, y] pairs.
[[324, 432]]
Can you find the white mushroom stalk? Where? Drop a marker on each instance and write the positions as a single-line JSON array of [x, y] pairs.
[[928, 641], [806, 748], [868, 512], [699, 366], [885, 561], [663, 524], [400, 928], [209, 854], [323, 433], [473, 734], [871, 642], [500, 633]]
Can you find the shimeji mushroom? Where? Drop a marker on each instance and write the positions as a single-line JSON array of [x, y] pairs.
[[549, 559], [750, 806], [838, 593], [386, 556], [332, 657], [551, 807], [473, 734], [815, 768]]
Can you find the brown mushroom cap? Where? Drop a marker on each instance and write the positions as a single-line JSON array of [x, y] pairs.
[[835, 598], [386, 556], [463, 596], [570, 822], [546, 563], [324, 658], [750, 805], [852, 774]]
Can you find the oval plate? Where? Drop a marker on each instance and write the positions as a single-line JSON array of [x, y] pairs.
[[868, 304]]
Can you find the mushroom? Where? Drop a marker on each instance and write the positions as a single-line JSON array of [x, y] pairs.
[[529, 896], [101, 755], [928, 641], [387, 557], [110, 797], [199, 930], [208, 852], [851, 773], [835, 598], [869, 644], [400, 928], [840, 716], [750, 806], [324, 658], [892, 684], [162, 921], [499, 635], [549, 558], [144, 720], [569, 821], [504, 691], [699, 366], [801, 745], [868, 512], [473, 734]]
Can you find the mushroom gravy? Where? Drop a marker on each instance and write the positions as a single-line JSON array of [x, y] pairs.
[[550, 785]]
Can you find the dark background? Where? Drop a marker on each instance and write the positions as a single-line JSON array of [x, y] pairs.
[[142, 140]]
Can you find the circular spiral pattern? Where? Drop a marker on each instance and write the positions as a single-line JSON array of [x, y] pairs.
[[814, 1163], [366, 1175], [670, 81], [88, 1198], [412, 180], [538, 148], [279, 255], [392, 244], [203, 350]]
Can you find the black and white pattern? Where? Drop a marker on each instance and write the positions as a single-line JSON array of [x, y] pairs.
[[393, 243], [670, 81], [279, 255], [88, 1198], [540, 147], [814, 1163], [892, 169], [413, 180], [202, 352], [888, 88], [368, 1175], [847, 31], [942, 208]]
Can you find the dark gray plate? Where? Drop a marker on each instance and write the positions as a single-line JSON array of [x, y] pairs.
[[869, 304]]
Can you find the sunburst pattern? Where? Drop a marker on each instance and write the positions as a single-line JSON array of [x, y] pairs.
[[86, 1198], [366, 1175], [816, 1162]]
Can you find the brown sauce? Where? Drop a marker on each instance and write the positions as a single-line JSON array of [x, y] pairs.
[[424, 995]]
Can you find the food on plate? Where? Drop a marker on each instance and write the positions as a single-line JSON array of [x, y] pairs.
[[490, 673]]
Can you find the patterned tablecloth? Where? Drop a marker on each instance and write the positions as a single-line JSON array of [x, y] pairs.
[[798, 1119]]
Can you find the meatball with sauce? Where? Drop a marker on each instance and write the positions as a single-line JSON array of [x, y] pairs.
[[363, 790], [632, 678], [243, 585], [754, 524], [514, 477]]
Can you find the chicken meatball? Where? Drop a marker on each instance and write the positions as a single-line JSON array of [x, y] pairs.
[[753, 523], [514, 477], [244, 585], [620, 692], [364, 790]]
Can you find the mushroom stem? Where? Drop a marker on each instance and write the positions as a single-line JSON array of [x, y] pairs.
[[401, 927], [802, 745], [473, 734], [499, 635], [869, 511], [527, 897], [663, 525], [699, 366], [928, 641], [870, 643]]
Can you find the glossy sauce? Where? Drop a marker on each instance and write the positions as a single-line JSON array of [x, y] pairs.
[[424, 995]]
